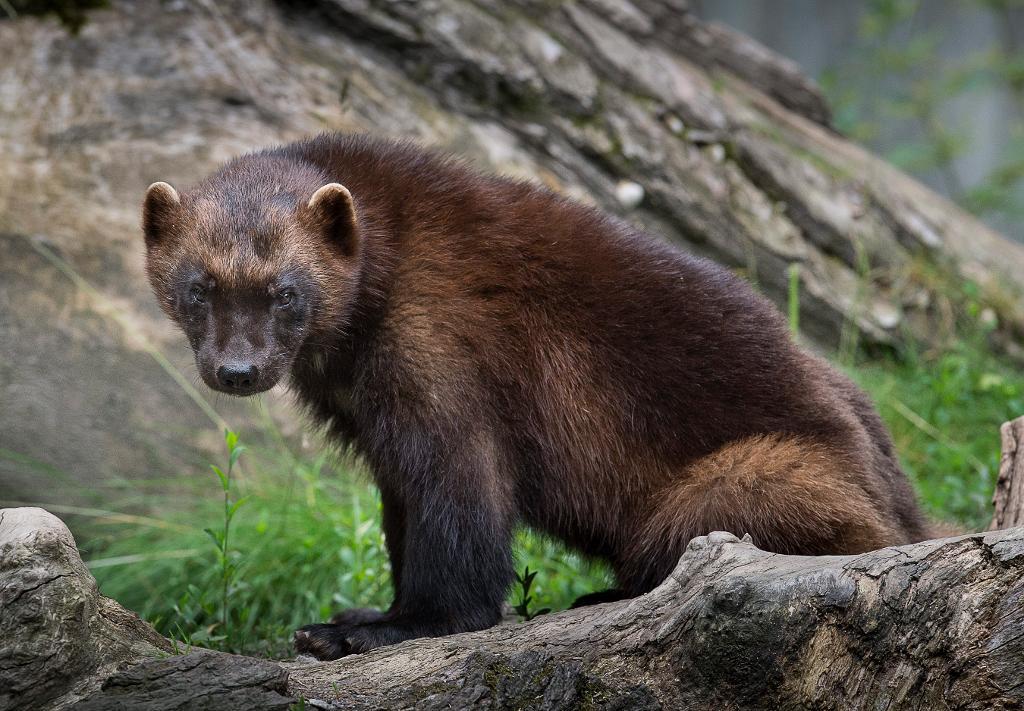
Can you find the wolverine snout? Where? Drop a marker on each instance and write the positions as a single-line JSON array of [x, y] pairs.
[[238, 376]]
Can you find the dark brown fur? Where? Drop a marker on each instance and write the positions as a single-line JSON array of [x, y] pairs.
[[501, 355]]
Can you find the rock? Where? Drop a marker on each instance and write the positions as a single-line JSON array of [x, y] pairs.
[[629, 194], [727, 144]]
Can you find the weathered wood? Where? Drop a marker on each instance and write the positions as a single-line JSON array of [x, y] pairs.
[[197, 680], [928, 626], [58, 636], [1008, 498], [938, 624]]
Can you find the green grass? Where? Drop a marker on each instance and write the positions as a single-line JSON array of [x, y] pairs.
[[944, 413], [306, 544]]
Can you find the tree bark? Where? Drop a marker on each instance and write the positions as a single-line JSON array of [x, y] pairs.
[[1008, 499], [938, 624]]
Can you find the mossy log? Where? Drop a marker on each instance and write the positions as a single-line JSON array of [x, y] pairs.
[[938, 624]]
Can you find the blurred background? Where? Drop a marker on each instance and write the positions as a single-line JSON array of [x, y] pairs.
[[934, 86], [861, 163]]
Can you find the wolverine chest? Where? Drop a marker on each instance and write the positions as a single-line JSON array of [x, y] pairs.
[[329, 396]]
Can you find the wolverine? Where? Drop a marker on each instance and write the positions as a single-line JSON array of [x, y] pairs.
[[500, 355]]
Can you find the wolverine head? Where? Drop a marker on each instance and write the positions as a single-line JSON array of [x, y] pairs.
[[252, 264]]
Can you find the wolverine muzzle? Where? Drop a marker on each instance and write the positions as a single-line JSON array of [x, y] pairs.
[[238, 377]]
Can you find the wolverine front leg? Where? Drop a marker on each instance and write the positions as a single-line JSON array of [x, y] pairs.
[[455, 562]]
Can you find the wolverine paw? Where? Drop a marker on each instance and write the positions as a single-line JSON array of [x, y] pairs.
[[596, 598], [325, 642], [333, 641]]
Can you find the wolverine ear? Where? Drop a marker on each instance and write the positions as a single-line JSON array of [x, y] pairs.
[[334, 213], [158, 210]]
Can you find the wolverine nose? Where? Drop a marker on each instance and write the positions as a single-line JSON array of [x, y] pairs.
[[237, 376]]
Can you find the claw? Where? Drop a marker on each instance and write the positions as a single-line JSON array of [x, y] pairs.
[[322, 641]]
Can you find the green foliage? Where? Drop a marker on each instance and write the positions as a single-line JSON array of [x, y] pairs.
[[225, 555], [306, 544], [522, 608], [944, 412], [310, 544], [895, 91]]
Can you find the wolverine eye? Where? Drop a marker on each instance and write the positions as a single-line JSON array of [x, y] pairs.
[[285, 298], [197, 294]]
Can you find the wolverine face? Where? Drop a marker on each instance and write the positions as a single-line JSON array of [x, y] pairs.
[[251, 270], [244, 336]]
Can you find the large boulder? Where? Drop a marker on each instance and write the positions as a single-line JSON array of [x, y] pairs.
[[687, 128]]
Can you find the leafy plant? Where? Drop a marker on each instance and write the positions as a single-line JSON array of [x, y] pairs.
[[228, 569], [944, 411], [522, 608]]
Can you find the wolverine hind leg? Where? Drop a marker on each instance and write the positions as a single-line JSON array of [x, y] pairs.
[[792, 495]]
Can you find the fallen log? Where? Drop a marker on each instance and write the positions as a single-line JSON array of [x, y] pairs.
[[937, 624]]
